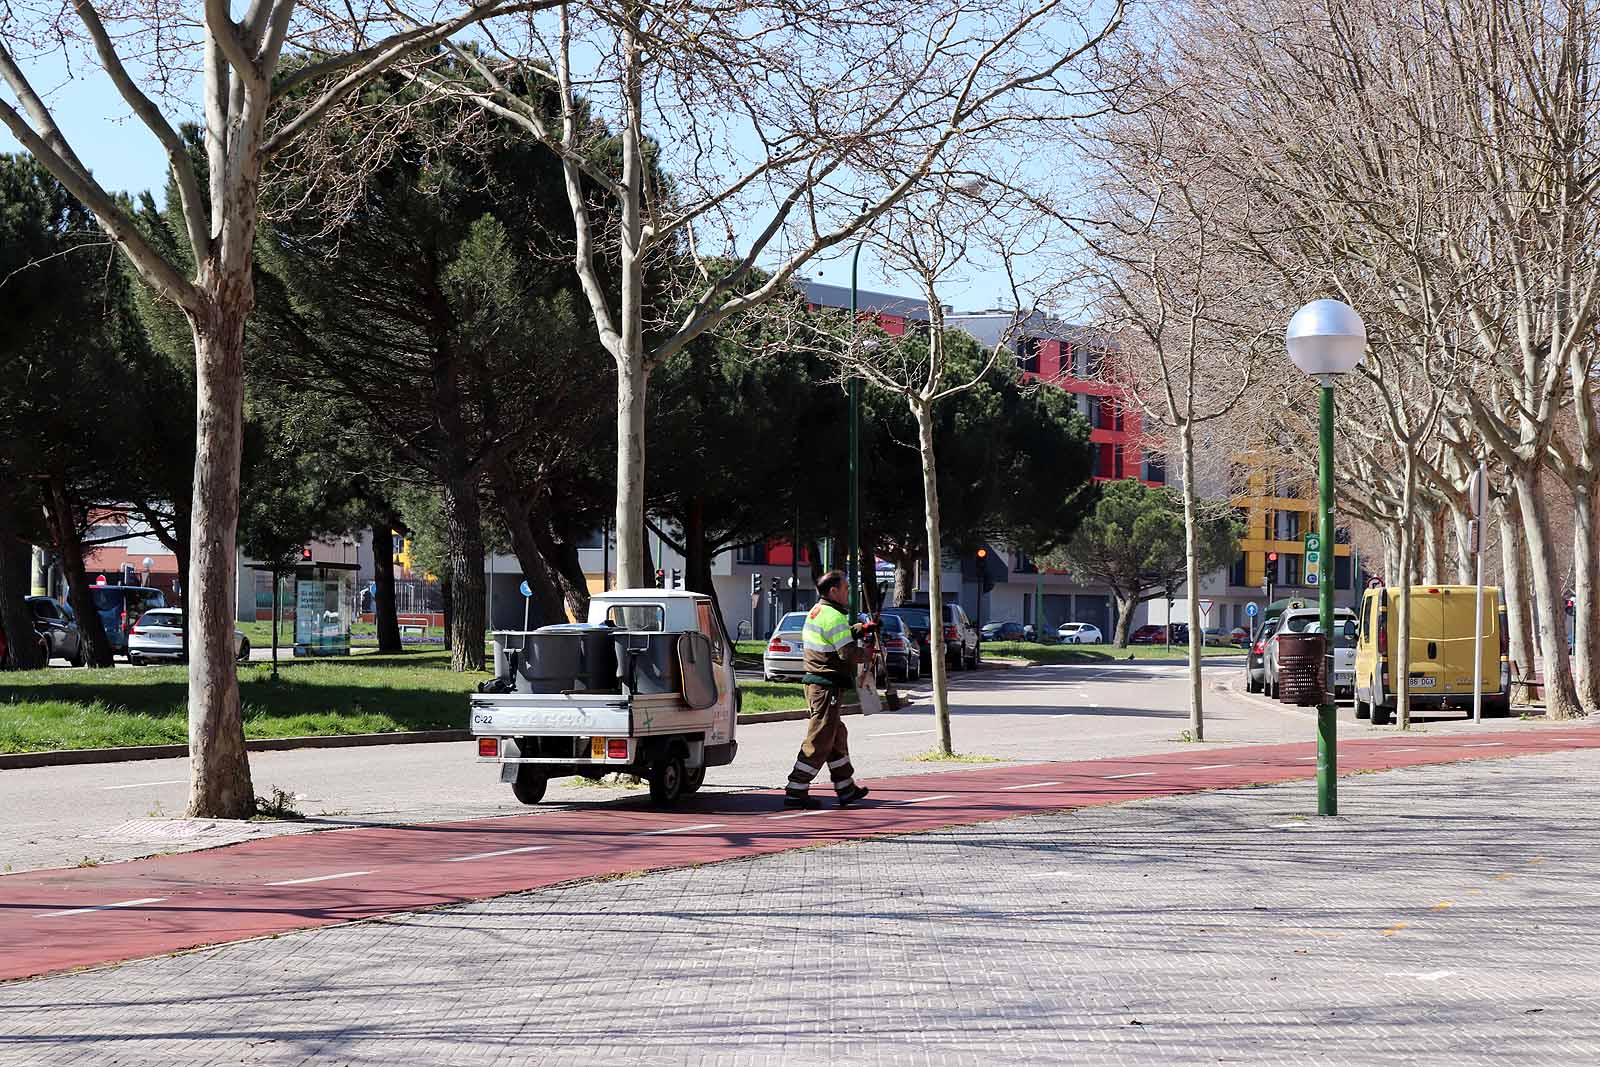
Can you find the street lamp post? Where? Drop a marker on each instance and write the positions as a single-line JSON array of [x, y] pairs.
[[853, 564], [1326, 338]]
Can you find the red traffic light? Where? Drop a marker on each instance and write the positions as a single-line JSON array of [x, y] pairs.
[[305, 553], [983, 553], [1272, 557]]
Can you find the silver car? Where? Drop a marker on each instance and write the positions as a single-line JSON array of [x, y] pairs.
[[786, 650], [158, 635], [1300, 620]]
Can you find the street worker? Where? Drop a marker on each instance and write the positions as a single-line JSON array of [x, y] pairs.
[[831, 656]]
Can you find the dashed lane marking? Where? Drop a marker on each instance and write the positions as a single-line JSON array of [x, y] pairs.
[[1486, 744], [919, 800], [681, 829], [1442, 905], [1029, 785], [321, 878], [1395, 929], [146, 785], [491, 855], [1135, 774], [1213, 766], [102, 907]]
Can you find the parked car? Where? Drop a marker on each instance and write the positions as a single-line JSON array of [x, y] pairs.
[[785, 649], [1215, 636], [55, 623], [1440, 671], [959, 635], [120, 606], [1295, 620], [1176, 634], [1255, 679], [1344, 655], [3, 647], [1080, 633], [902, 655], [1007, 631], [1239, 637], [158, 635]]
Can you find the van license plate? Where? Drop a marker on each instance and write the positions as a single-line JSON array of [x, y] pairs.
[[1423, 681]]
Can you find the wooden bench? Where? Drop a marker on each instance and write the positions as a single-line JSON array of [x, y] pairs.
[[415, 625]]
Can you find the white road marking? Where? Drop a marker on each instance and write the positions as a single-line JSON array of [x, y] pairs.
[[1421, 976], [1135, 774], [1290, 826], [799, 814], [1213, 766], [321, 878], [681, 829], [919, 800], [103, 907], [1402, 750], [490, 855], [1030, 785], [143, 785], [1486, 744], [903, 733]]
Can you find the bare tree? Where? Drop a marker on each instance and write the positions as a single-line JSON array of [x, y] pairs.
[[252, 111], [795, 122]]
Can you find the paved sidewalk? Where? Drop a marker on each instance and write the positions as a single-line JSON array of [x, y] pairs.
[[1450, 916]]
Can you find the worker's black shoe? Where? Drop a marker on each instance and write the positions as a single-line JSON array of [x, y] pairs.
[[858, 793], [805, 800]]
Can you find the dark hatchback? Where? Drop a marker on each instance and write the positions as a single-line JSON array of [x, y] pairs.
[[1255, 670]]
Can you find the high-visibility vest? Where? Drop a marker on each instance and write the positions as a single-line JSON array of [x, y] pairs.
[[827, 629]]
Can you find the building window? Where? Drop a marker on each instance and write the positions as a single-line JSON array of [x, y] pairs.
[[592, 539], [1236, 573], [750, 554], [1291, 570], [1155, 470], [1107, 465], [1117, 461], [1341, 572], [1028, 354]]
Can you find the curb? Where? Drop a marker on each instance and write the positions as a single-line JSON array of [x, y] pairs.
[[74, 756], [792, 716]]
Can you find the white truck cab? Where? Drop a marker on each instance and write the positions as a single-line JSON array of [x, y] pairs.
[[646, 686]]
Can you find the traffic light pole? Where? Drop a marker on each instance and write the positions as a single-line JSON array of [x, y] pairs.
[[1327, 712]]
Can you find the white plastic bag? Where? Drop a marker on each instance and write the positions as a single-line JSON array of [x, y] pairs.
[[867, 691]]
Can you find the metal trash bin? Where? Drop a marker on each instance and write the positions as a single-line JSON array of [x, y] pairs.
[[1302, 669]]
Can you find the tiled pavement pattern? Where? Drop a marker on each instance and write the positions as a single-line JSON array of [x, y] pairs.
[[1451, 916]]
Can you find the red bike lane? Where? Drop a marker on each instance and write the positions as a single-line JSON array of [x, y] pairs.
[[63, 919]]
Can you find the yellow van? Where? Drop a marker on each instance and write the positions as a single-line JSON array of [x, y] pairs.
[[1442, 618]]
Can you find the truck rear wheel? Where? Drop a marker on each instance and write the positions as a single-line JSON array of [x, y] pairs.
[[667, 780], [530, 784]]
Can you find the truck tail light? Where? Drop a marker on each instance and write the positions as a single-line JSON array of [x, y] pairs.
[[488, 747], [617, 748]]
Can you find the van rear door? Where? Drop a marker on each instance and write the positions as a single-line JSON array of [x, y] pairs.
[[1430, 645]]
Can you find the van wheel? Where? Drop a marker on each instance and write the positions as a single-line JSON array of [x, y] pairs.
[[1381, 715], [667, 780], [694, 779], [530, 784]]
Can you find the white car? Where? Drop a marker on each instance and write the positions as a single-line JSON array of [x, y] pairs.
[[1080, 633], [786, 650], [158, 635]]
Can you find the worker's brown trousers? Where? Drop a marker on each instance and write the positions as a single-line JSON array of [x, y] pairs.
[[827, 741]]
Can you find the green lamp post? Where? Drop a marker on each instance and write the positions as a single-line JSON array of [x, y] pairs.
[[852, 567], [1326, 338]]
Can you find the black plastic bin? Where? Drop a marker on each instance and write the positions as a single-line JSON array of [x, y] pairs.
[[559, 659]]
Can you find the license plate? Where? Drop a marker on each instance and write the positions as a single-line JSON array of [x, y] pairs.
[[1423, 681]]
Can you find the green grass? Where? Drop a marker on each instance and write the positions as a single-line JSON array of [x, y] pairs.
[[52, 709], [361, 633], [1093, 653], [365, 693], [775, 696]]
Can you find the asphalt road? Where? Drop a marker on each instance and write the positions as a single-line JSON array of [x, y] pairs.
[[62, 816]]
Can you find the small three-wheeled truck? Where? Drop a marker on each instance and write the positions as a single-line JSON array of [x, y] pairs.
[[646, 686]]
